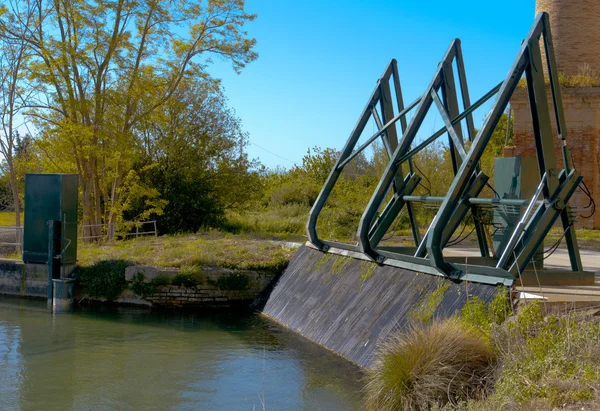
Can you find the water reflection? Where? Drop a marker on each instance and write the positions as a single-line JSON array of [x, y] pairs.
[[133, 359]]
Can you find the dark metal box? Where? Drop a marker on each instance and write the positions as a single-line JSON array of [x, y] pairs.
[[50, 197]]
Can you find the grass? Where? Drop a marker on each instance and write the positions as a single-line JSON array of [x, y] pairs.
[[287, 221], [7, 218], [185, 251], [430, 366], [578, 80], [547, 361], [537, 361]]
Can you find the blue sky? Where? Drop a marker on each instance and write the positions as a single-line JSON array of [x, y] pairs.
[[319, 61]]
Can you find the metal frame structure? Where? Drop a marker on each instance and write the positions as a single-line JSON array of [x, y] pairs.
[[549, 203]]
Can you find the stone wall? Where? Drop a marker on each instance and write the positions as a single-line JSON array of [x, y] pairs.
[[216, 288], [26, 280], [582, 115]]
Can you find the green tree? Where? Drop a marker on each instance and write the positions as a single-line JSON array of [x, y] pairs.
[[101, 68], [194, 156]]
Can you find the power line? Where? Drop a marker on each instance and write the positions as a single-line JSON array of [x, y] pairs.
[[276, 155]]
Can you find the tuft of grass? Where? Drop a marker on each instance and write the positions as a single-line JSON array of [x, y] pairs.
[[430, 366]]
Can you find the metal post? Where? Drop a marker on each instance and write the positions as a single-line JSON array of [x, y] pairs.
[[50, 259]]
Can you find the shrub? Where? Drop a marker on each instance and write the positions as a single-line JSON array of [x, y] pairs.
[[104, 279], [430, 366], [235, 281], [139, 287]]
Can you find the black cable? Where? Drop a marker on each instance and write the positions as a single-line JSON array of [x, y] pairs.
[[424, 176], [555, 246], [395, 228], [457, 242], [495, 192], [585, 191], [592, 203]]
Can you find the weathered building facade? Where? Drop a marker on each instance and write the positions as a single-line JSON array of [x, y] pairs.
[[576, 37]]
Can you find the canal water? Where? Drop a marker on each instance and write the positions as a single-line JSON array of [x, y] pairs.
[[119, 359]]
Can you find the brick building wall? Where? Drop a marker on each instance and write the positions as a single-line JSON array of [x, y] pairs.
[[575, 28], [582, 115]]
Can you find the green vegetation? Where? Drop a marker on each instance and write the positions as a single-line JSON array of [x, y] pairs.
[[192, 251], [232, 282], [7, 218], [148, 136], [547, 362], [340, 262], [430, 366], [586, 78], [184, 280], [367, 268], [103, 279], [161, 279], [140, 287], [427, 307], [532, 361]]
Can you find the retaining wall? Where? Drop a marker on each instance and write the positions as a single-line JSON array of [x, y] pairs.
[[216, 288], [350, 305], [23, 279]]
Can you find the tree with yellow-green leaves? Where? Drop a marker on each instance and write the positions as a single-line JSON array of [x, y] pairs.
[[98, 70]]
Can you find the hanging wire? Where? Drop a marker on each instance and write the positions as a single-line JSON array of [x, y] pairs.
[[555, 246], [396, 226], [424, 176], [584, 188]]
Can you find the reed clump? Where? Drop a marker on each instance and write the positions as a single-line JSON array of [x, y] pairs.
[[434, 365]]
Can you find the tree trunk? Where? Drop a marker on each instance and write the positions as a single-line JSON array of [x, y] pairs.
[[16, 203]]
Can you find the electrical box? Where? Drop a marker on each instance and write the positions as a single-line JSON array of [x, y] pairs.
[[50, 197], [514, 178]]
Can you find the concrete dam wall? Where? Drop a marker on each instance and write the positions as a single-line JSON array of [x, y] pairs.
[[350, 305]]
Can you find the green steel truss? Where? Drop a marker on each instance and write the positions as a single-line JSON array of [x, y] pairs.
[[398, 136]]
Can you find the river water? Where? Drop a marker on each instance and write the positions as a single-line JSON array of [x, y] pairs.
[[100, 358]]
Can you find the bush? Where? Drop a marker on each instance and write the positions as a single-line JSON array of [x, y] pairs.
[[139, 287], [552, 360], [104, 279], [430, 366], [235, 281]]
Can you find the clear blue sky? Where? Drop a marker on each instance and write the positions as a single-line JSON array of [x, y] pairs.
[[319, 61]]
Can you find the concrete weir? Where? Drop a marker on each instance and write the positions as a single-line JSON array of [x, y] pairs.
[[350, 306]]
